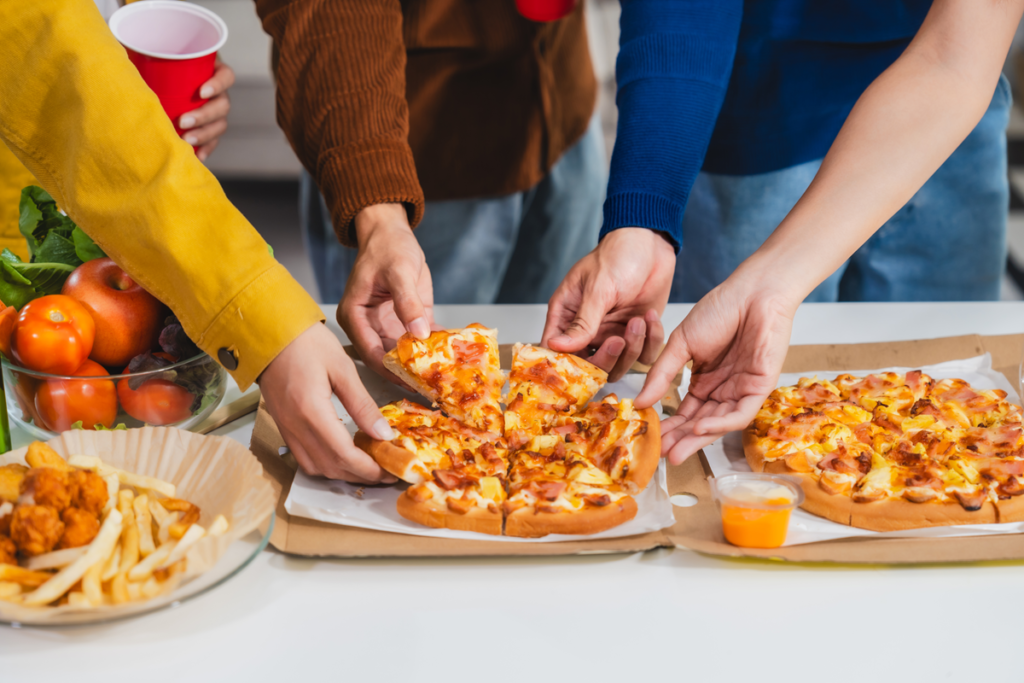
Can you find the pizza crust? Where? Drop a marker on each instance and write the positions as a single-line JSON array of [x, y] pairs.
[[646, 452], [752, 450], [394, 365], [437, 515], [892, 514], [527, 523], [392, 459]]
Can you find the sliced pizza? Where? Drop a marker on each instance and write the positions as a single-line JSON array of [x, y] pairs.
[[544, 385], [424, 441], [619, 439], [556, 490], [459, 370]]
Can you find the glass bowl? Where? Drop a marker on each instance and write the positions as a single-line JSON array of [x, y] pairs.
[[46, 405]]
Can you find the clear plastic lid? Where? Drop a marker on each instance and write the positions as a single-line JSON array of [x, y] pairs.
[[755, 490]]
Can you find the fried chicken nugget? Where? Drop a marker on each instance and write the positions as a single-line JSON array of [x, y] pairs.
[[80, 527], [88, 491], [35, 529], [11, 477], [41, 455], [48, 486], [8, 551]]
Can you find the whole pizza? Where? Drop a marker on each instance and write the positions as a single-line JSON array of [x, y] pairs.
[[551, 461], [891, 451]]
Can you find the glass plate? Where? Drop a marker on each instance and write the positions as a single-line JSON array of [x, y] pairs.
[[238, 556]]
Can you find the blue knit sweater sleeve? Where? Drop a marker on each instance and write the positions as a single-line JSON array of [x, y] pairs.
[[675, 58]]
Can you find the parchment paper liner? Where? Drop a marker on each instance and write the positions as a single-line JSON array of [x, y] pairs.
[[218, 474]]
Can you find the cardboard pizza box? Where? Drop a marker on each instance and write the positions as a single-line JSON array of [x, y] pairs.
[[697, 527]]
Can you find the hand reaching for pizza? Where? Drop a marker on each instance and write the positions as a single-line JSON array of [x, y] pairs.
[[298, 385], [612, 299], [389, 291], [737, 337]]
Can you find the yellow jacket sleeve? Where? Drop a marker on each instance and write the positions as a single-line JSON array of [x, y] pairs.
[[75, 111]]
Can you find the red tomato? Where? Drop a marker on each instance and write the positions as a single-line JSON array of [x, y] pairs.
[[157, 401], [53, 334], [63, 402]]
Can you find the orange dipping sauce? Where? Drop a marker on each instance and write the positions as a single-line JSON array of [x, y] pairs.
[[753, 528], [756, 508]]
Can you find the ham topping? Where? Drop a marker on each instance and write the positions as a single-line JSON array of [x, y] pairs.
[[448, 480], [548, 490], [971, 501]]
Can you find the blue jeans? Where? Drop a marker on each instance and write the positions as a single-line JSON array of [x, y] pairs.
[[510, 249], [948, 243]]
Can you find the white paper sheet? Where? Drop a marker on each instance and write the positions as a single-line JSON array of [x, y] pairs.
[[338, 502], [725, 456]]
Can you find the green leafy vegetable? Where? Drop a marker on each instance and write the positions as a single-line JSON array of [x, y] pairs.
[[120, 427], [85, 248], [45, 278], [40, 218]]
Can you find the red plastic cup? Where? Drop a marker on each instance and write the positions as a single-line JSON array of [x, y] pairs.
[[174, 46], [545, 10]]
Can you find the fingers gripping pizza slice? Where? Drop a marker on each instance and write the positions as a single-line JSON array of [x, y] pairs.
[[544, 385], [459, 370]]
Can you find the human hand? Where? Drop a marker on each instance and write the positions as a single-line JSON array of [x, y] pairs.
[[389, 291], [297, 387], [612, 299], [206, 124], [737, 337]]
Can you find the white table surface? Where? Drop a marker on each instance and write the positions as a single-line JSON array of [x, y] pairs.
[[662, 615]]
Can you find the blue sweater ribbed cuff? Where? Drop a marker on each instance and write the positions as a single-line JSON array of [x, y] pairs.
[[643, 210]]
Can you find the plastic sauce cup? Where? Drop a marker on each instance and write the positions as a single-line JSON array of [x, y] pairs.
[[545, 10], [756, 508], [174, 46]]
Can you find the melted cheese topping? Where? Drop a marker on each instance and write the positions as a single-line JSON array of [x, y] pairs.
[[890, 435]]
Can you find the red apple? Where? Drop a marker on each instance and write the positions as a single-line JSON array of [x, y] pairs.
[[128, 318]]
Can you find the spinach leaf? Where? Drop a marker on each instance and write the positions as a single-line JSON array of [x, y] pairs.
[[45, 278], [39, 218], [15, 289], [85, 248], [57, 249]]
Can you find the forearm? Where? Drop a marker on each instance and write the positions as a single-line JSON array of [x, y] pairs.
[[904, 126], [74, 110], [339, 69], [673, 69]]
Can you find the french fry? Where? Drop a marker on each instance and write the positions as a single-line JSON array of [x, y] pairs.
[[139, 481], [134, 591], [113, 488], [125, 498], [24, 577], [112, 566], [144, 522], [119, 590], [8, 589], [191, 537], [150, 588], [218, 527], [78, 599], [99, 550], [163, 518], [165, 532], [91, 584], [41, 455], [162, 574], [189, 515], [55, 559], [129, 547], [144, 568]]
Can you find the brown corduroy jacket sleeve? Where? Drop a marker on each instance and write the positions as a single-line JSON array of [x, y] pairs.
[[340, 72]]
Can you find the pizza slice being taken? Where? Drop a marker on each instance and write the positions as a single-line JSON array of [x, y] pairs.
[[459, 370], [545, 385]]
